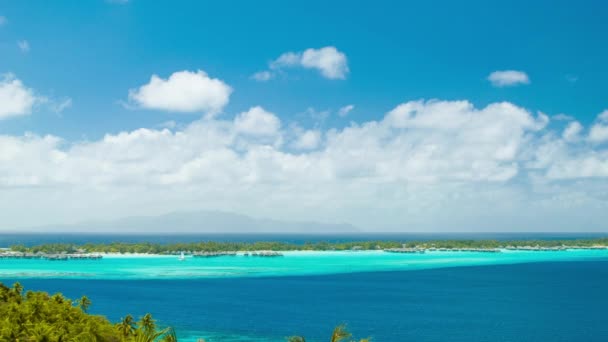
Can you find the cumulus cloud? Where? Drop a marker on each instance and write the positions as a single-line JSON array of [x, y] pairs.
[[572, 131], [184, 91], [308, 140], [345, 110], [508, 78], [584, 166], [23, 45], [15, 98], [603, 116], [329, 61], [599, 131], [420, 161], [257, 122]]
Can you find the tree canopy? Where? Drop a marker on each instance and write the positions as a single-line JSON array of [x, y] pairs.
[[214, 246], [41, 317]]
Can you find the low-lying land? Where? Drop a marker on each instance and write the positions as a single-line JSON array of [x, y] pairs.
[[212, 248]]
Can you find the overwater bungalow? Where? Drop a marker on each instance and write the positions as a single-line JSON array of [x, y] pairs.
[[405, 250], [212, 254], [46, 256], [268, 254]]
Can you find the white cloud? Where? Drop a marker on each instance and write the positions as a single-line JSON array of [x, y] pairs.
[[507, 78], [15, 98], [329, 61], [263, 76], [478, 144], [422, 162], [308, 140], [23, 45], [61, 105], [599, 131], [18, 100], [183, 91], [287, 59], [345, 110], [562, 117], [257, 122], [3, 20], [585, 166], [572, 131], [318, 117]]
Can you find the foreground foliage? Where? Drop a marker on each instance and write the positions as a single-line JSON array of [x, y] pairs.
[[40, 317], [212, 246], [340, 334]]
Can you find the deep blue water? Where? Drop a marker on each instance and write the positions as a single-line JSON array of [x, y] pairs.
[[553, 301], [8, 239]]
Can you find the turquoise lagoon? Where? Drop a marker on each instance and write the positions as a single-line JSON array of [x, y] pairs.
[[116, 267]]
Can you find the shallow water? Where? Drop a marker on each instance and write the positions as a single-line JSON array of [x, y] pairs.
[[291, 264]]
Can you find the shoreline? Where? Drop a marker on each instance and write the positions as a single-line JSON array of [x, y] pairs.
[[114, 255], [295, 263], [214, 248]]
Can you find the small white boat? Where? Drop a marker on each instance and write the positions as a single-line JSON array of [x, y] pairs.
[[181, 257]]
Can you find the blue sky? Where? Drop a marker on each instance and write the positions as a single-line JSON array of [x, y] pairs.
[[92, 52], [80, 60]]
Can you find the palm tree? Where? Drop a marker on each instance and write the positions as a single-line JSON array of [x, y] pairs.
[[84, 303], [147, 323], [146, 331], [170, 336], [167, 335], [41, 332], [17, 288], [340, 333], [125, 327]]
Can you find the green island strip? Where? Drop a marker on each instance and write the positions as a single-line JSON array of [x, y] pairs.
[[213, 248], [39, 316]]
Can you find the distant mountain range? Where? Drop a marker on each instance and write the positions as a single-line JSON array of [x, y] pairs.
[[197, 222]]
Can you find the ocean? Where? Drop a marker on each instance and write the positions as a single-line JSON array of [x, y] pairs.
[[547, 301], [518, 296]]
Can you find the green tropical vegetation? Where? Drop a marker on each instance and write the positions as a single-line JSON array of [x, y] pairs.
[[41, 317], [213, 246], [339, 334]]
